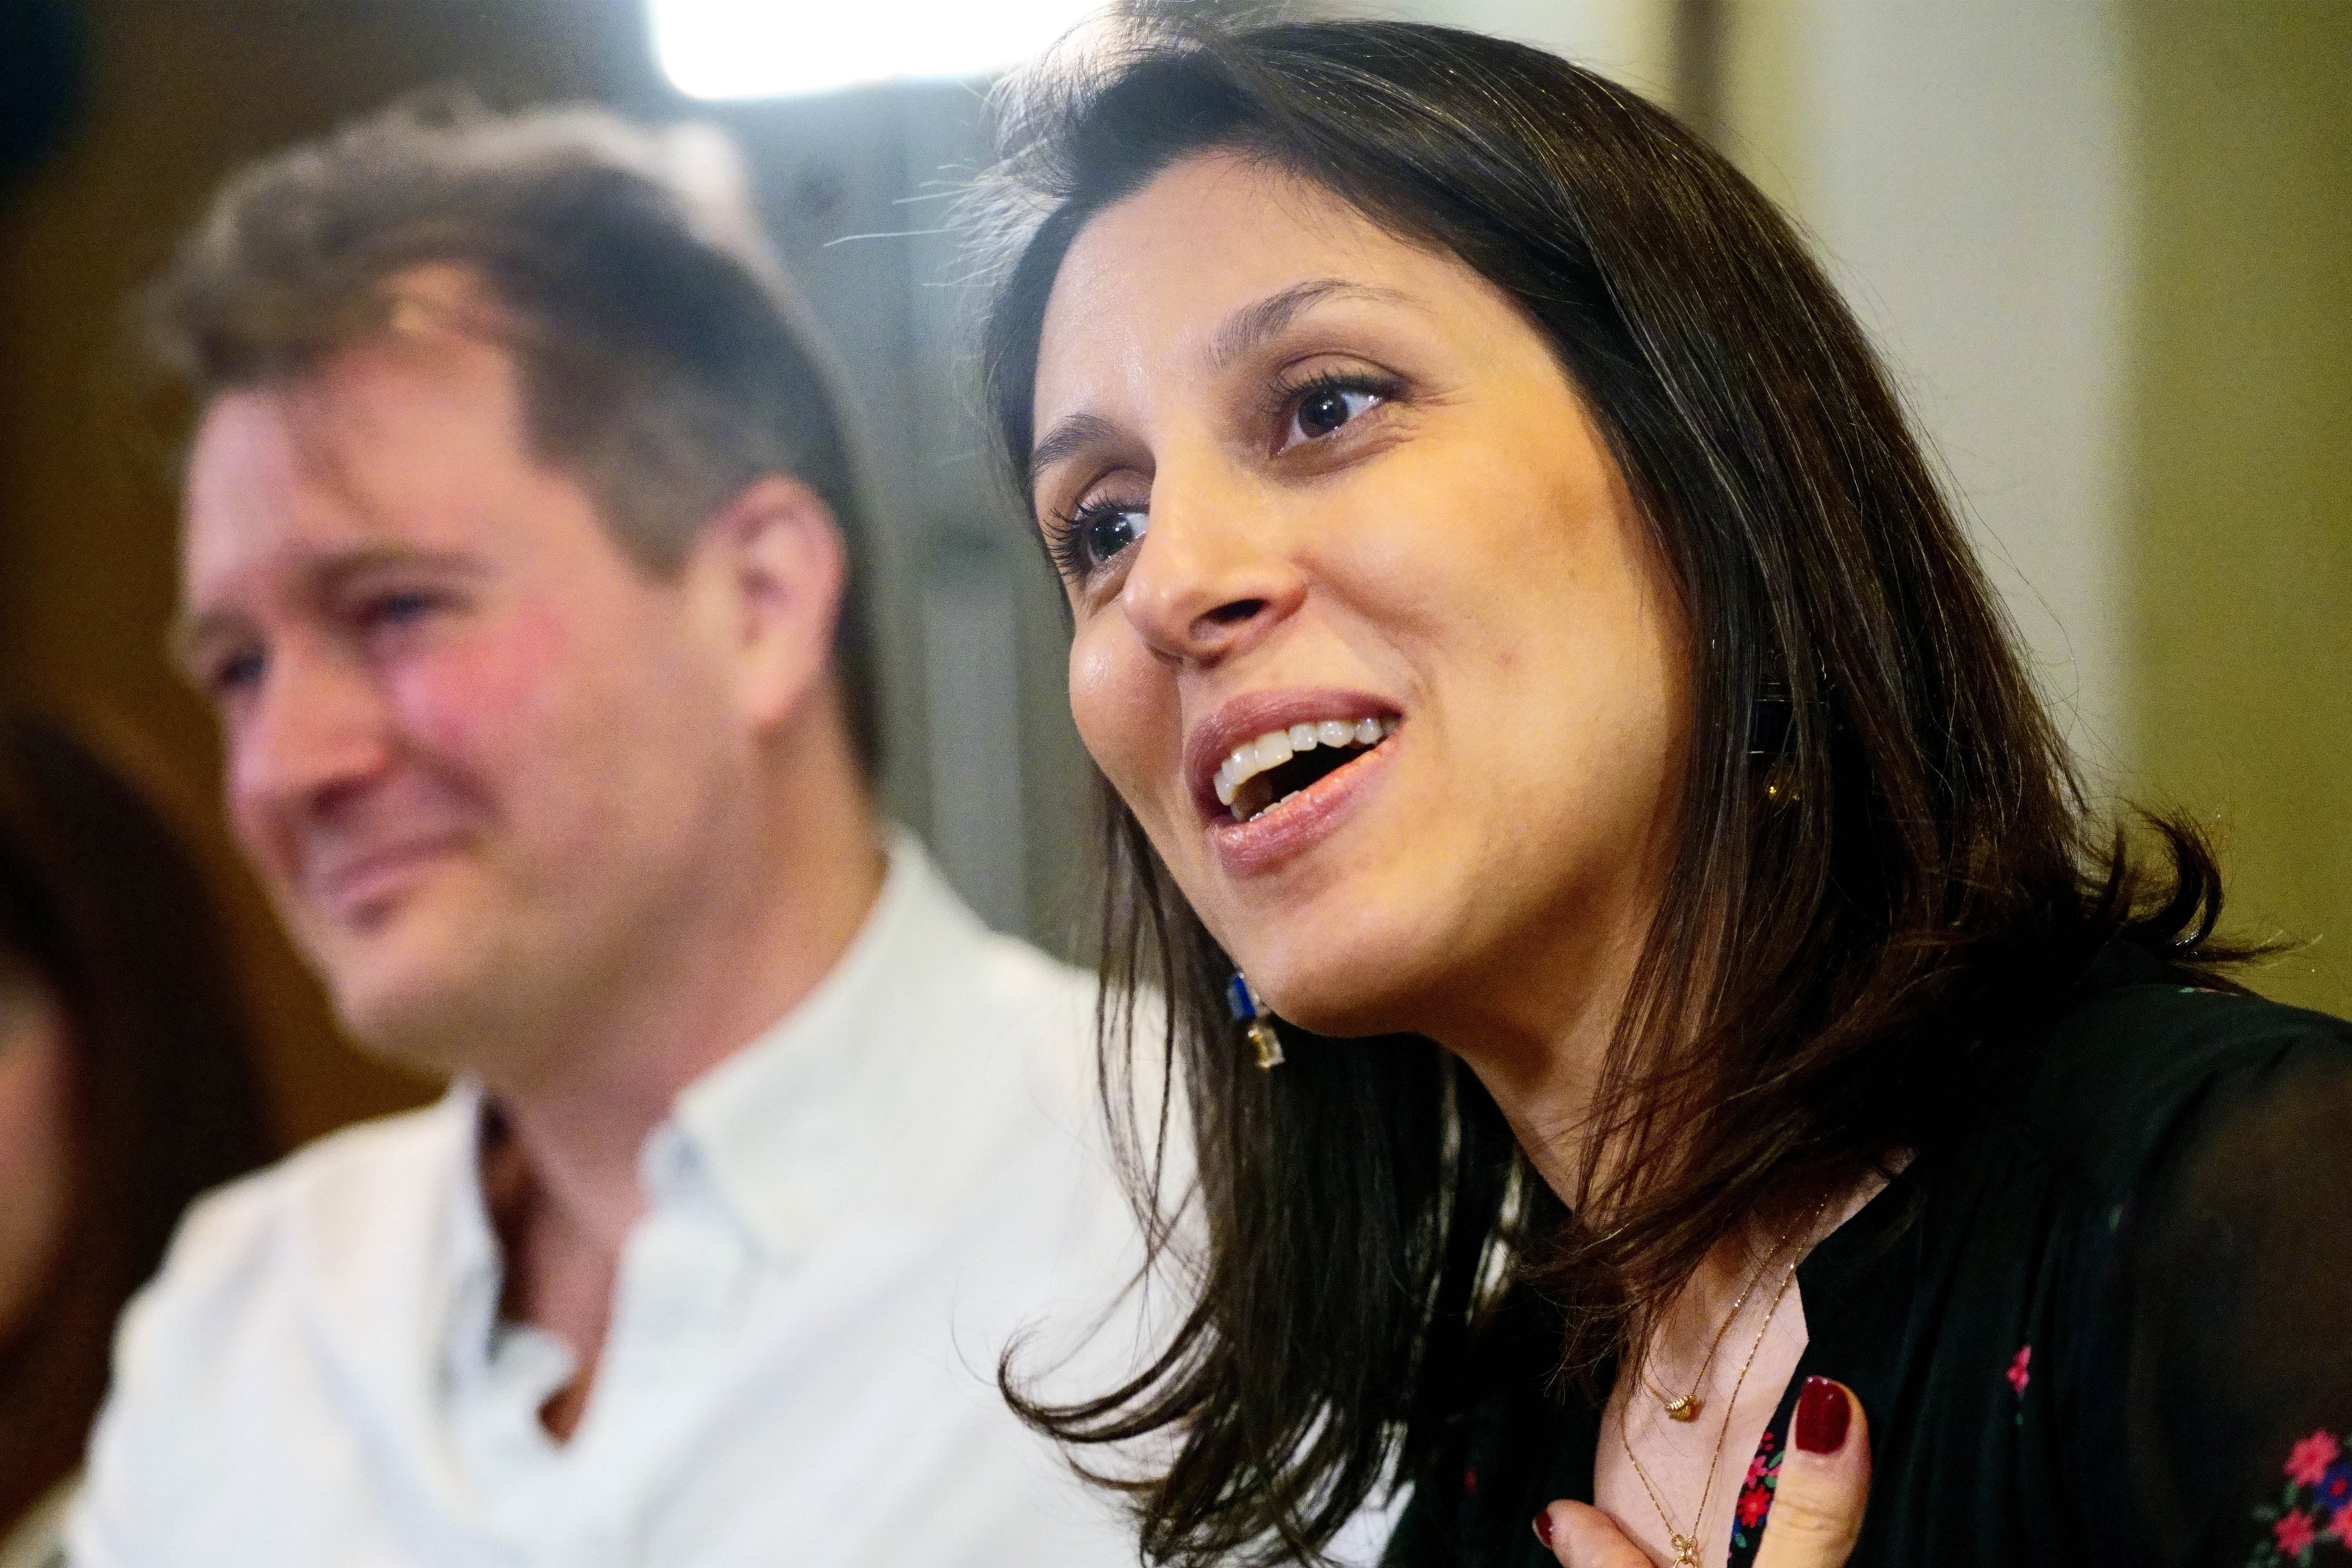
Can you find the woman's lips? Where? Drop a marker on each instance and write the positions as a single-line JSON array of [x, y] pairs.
[[1299, 821], [1254, 715], [1248, 781]]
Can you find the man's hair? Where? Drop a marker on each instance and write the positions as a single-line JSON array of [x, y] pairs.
[[665, 360]]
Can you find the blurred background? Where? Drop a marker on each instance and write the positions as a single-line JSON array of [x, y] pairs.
[[2107, 246]]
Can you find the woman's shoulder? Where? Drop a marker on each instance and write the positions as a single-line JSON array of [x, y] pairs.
[[2215, 1129], [2141, 1058]]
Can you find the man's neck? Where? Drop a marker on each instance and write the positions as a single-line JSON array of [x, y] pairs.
[[702, 995], [562, 1172]]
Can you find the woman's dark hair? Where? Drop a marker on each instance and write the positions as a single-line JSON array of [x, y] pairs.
[[100, 902], [1831, 956]]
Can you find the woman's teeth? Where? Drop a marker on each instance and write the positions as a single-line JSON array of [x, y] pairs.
[[1276, 747]]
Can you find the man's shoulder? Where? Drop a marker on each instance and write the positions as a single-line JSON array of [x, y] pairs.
[[990, 1002], [1012, 1038], [322, 1211], [289, 1300], [1018, 982]]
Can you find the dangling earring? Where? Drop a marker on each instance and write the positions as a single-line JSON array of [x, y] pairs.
[[1249, 1009]]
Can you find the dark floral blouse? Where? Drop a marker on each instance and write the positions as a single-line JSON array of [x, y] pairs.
[[2112, 1323]]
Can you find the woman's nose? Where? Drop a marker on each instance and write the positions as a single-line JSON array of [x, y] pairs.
[[1212, 578]]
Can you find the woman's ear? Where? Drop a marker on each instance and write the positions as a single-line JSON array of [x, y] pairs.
[[775, 556]]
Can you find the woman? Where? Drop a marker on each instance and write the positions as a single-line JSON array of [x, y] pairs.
[[124, 1092], [1523, 637]]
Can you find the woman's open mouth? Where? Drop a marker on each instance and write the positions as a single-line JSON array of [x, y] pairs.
[[1267, 774]]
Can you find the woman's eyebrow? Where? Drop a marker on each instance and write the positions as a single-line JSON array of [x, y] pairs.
[[1239, 332], [1253, 324], [1067, 439]]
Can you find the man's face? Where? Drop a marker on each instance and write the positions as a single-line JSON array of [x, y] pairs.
[[473, 750]]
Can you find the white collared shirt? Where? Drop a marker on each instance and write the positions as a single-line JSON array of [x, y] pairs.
[[846, 1221]]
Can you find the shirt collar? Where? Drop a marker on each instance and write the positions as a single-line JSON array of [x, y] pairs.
[[790, 1129]]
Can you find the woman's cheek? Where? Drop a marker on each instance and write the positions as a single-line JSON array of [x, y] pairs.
[[1126, 712]]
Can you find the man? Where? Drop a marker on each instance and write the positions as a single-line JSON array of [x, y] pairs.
[[519, 563]]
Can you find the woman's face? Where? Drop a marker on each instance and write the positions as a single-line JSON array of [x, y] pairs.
[[1306, 480], [35, 1158]]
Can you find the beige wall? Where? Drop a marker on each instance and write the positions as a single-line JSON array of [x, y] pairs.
[[2107, 248], [2240, 452]]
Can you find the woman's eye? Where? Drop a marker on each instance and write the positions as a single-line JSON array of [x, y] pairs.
[[1322, 410], [1094, 533]]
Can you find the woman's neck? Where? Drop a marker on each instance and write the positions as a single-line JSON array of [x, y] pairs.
[[1542, 1046]]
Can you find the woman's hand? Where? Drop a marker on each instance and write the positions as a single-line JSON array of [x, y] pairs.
[[1816, 1507]]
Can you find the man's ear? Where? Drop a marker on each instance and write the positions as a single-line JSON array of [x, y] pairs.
[[776, 558]]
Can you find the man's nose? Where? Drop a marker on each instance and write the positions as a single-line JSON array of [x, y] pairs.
[[317, 732], [1214, 575]]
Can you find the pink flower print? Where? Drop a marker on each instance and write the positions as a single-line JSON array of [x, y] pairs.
[[1756, 1497], [2342, 1528], [2294, 1533], [2018, 1374], [2309, 1460]]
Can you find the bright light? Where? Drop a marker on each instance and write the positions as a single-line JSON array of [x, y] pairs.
[[771, 49]]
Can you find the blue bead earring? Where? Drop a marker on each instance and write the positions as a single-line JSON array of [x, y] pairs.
[[1249, 1009]]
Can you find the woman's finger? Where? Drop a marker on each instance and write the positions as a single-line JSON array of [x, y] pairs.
[[1824, 1482], [1581, 1536]]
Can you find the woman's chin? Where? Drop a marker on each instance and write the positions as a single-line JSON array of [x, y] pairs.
[[1332, 999]]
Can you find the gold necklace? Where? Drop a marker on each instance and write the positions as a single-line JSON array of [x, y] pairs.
[[1685, 1407], [1686, 1547]]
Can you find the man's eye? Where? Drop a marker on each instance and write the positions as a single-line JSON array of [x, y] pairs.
[[233, 672], [396, 608], [1321, 410], [1092, 535]]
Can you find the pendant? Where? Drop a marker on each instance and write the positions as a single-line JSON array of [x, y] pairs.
[[1685, 1408], [1685, 1550], [1249, 1011]]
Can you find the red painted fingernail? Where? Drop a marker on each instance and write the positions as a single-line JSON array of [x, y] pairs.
[[1543, 1527], [1821, 1415]]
